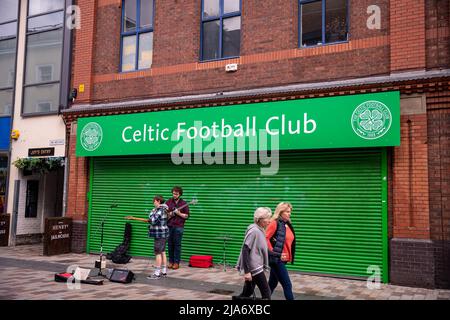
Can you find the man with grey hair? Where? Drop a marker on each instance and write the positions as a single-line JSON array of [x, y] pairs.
[[253, 260]]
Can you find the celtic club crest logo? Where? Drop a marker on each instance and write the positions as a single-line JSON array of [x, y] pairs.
[[91, 136], [371, 120]]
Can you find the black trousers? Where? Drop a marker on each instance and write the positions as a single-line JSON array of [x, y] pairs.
[[259, 280]]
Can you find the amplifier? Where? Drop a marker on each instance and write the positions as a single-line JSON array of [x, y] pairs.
[[121, 276]]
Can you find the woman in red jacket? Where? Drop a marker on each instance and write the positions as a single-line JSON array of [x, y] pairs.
[[280, 237]]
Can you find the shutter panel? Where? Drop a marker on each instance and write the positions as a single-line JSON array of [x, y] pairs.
[[337, 198]]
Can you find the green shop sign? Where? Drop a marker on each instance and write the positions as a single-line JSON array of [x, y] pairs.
[[366, 120]]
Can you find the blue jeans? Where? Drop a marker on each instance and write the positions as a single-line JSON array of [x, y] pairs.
[[279, 273], [175, 235]]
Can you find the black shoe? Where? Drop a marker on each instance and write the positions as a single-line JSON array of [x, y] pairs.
[[239, 297]]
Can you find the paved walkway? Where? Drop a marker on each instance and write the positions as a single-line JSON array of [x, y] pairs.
[[26, 274]]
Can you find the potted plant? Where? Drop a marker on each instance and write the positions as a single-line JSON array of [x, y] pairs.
[[40, 166]]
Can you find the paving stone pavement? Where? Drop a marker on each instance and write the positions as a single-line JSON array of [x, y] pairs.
[[25, 274]]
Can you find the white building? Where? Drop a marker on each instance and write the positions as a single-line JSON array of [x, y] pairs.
[[39, 76]]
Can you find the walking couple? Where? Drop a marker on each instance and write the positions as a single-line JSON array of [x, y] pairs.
[[268, 242]]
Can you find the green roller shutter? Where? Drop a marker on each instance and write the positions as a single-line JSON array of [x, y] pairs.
[[339, 200]]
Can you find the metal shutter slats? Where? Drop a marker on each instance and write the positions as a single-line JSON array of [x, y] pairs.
[[337, 198]]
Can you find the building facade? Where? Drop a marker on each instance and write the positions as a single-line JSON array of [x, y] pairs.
[[8, 47], [352, 95], [35, 72]]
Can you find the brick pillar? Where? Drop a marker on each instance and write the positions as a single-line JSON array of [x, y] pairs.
[[411, 204], [407, 25], [438, 105], [411, 250], [77, 202], [84, 50]]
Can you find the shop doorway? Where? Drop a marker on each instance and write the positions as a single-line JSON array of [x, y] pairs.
[[40, 197]]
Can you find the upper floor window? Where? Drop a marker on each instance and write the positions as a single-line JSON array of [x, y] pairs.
[[8, 42], [44, 106], [38, 6], [323, 21], [44, 73], [137, 34], [221, 29], [43, 60]]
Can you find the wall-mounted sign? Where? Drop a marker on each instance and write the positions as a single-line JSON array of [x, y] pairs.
[[353, 121], [4, 229], [58, 236], [41, 152], [57, 142]]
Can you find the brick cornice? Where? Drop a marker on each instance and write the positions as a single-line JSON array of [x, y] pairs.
[[405, 87]]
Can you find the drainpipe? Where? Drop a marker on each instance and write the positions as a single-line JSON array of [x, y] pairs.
[[66, 181]]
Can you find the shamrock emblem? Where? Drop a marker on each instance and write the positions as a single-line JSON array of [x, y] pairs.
[[91, 136], [371, 120]]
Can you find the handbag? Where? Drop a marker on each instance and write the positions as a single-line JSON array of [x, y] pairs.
[[274, 259]]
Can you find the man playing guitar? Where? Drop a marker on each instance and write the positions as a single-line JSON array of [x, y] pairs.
[[178, 214]]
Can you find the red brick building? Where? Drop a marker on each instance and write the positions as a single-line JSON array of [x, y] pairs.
[[283, 56]]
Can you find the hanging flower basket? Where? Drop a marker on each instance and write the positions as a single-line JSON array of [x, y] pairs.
[[39, 165]]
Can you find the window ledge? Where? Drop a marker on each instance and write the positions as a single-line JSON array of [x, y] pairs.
[[137, 70], [324, 44], [219, 59], [39, 114]]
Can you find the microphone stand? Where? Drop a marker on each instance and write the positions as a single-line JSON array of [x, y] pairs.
[[101, 250], [113, 205]]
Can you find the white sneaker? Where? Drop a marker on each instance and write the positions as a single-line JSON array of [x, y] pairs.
[[154, 277]]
